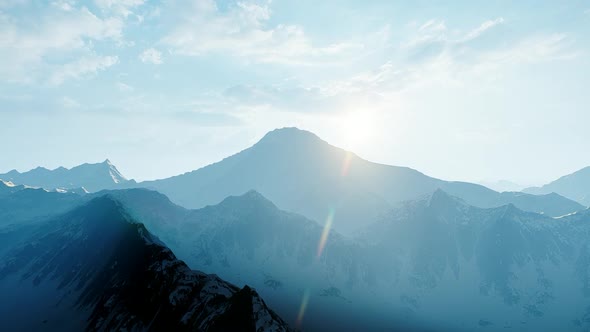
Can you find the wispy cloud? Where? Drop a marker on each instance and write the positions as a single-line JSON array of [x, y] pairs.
[[66, 5], [454, 61], [151, 55], [280, 97], [536, 49], [82, 67], [244, 31], [68, 102], [436, 32], [485, 26], [124, 87], [61, 30], [119, 7]]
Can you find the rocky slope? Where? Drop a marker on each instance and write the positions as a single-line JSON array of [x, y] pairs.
[[96, 269], [436, 263]]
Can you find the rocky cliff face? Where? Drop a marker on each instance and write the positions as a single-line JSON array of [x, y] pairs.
[[96, 269], [437, 261]]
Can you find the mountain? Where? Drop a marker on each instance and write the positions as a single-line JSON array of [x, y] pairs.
[[301, 173], [575, 186], [21, 204], [435, 263], [7, 187], [492, 268], [91, 177], [94, 268], [247, 240], [502, 185]]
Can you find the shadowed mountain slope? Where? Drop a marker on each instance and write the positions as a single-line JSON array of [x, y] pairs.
[[95, 269]]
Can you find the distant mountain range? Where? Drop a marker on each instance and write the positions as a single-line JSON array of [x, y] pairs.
[[502, 267], [575, 186], [91, 177], [434, 263], [502, 185], [95, 268], [302, 173], [365, 246]]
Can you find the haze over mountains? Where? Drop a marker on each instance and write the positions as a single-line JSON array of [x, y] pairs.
[[499, 267], [513, 264], [94, 268], [299, 172], [503, 266], [575, 186], [92, 177], [502, 185], [330, 242]]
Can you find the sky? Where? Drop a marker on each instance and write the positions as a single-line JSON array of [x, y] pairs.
[[467, 90]]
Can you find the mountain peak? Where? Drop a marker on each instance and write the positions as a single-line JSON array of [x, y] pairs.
[[288, 134], [441, 198], [93, 177], [6, 183], [510, 210], [251, 199]]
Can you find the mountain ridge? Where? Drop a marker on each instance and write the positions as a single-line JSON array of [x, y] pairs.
[[102, 270], [574, 186], [91, 176], [299, 172]]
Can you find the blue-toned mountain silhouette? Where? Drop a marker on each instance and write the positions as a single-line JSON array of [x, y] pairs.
[[575, 186], [433, 263], [91, 177], [299, 172], [96, 269]]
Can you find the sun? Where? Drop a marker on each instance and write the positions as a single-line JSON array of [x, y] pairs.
[[357, 128]]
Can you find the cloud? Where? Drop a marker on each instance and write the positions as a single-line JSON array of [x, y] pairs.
[[207, 118], [30, 46], [82, 67], [453, 61], [244, 31], [124, 87], [12, 3], [151, 55], [433, 46], [286, 98], [485, 26], [119, 7], [67, 102], [65, 5], [435, 32], [556, 46], [433, 25]]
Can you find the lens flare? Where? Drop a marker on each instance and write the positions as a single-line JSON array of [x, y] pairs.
[[303, 307], [346, 163], [326, 232]]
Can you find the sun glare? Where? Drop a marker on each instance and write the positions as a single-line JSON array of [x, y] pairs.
[[357, 128]]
